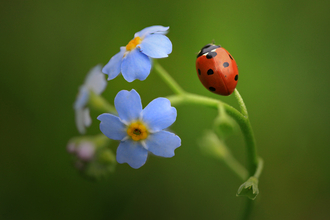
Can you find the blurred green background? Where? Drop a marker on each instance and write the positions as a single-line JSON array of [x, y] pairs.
[[282, 50]]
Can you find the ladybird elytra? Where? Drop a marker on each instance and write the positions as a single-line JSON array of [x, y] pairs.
[[217, 69]]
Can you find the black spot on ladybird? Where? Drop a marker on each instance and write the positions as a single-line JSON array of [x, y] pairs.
[[236, 77], [207, 48], [210, 72], [225, 64], [199, 72], [212, 89], [211, 55], [231, 57]]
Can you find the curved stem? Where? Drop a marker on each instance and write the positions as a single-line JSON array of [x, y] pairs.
[[250, 144], [248, 136], [259, 168], [182, 97], [189, 98], [241, 103], [243, 122], [167, 78]]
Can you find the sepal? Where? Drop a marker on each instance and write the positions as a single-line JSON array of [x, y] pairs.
[[249, 188]]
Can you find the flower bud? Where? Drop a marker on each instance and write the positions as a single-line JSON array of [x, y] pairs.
[[211, 145], [249, 188], [92, 156], [85, 151]]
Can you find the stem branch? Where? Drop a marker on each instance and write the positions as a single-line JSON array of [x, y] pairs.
[[259, 168], [167, 78], [236, 167]]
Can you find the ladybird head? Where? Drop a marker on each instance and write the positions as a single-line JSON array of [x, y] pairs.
[[207, 48]]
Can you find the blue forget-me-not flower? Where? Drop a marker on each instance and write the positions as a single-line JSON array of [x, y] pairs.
[[134, 60], [140, 130], [95, 83]]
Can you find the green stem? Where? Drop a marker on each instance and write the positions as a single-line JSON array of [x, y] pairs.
[[248, 135], [182, 97], [259, 168], [250, 144], [249, 202], [98, 103], [236, 167], [241, 103], [247, 209], [189, 98], [167, 78], [243, 122]]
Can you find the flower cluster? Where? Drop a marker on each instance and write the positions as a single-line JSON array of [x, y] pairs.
[[140, 131], [94, 84], [91, 156]]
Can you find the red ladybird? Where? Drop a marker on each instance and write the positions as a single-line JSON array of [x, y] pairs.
[[217, 69]]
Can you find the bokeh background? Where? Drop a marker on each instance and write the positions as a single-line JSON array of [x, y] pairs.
[[282, 50]]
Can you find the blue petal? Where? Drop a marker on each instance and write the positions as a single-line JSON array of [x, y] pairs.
[[82, 98], [156, 46], [83, 119], [135, 65], [163, 143], [132, 152], [157, 29], [159, 114], [95, 80], [128, 105], [112, 127], [112, 68]]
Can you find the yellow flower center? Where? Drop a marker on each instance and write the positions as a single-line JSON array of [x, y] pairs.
[[137, 131], [132, 44]]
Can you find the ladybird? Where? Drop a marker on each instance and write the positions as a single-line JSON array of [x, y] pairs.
[[217, 69]]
